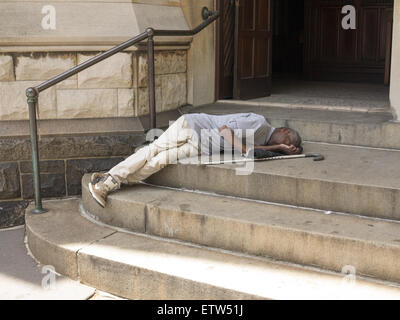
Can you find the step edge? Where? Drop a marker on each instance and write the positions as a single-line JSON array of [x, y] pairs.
[[244, 220], [319, 107], [371, 270], [311, 268], [388, 285]]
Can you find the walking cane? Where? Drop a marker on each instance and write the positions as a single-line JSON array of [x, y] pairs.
[[315, 156]]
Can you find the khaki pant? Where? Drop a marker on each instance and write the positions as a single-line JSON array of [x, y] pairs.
[[176, 143]]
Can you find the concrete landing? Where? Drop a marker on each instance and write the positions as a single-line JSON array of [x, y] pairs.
[[142, 267], [22, 278]]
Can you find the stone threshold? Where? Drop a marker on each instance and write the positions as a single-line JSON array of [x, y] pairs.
[[321, 107]]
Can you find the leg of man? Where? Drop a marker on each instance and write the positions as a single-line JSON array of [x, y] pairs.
[[162, 159], [178, 134]]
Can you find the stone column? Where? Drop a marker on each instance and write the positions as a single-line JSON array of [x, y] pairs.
[[395, 69]]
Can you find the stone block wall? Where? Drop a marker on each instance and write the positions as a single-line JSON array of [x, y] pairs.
[[64, 160], [116, 87]]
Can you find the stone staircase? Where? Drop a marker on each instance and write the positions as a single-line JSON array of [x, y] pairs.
[[293, 229]]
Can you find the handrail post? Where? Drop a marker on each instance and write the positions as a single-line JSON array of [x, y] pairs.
[[151, 78], [32, 98]]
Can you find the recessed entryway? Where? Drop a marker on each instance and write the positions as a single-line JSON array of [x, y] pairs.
[[308, 58]]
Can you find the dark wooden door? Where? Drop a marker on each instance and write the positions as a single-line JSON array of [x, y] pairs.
[[333, 53], [253, 42]]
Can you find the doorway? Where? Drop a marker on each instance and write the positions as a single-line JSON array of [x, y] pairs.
[[309, 45], [288, 39]]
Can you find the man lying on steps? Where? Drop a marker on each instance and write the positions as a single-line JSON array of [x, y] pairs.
[[190, 136]]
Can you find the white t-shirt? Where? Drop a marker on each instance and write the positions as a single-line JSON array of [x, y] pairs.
[[244, 125]]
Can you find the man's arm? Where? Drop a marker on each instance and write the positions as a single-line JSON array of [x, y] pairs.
[[283, 148], [234, 141], [229, 136]]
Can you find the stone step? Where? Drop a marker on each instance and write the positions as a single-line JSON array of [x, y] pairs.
[[331, 126], [142, 267], [325, 103], [297, 235], [356, 180]]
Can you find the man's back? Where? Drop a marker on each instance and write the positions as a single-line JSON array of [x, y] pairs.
[[207, 128]]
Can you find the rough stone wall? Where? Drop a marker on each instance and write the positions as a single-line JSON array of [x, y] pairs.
[[116, 87], [64, 160]]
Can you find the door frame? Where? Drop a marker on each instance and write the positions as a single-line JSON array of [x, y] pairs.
[[217, 6], [218, 54]]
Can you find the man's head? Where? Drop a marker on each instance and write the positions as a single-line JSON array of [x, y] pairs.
[[286, 136]]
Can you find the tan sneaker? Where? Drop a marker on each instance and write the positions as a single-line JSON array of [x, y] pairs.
[[100, 190]]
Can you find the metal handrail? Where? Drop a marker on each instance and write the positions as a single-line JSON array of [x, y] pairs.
[[32, 93]]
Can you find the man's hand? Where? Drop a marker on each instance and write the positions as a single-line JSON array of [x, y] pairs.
[[289, 150]]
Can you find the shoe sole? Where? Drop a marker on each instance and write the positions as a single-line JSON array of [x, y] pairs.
[[94, 196]]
